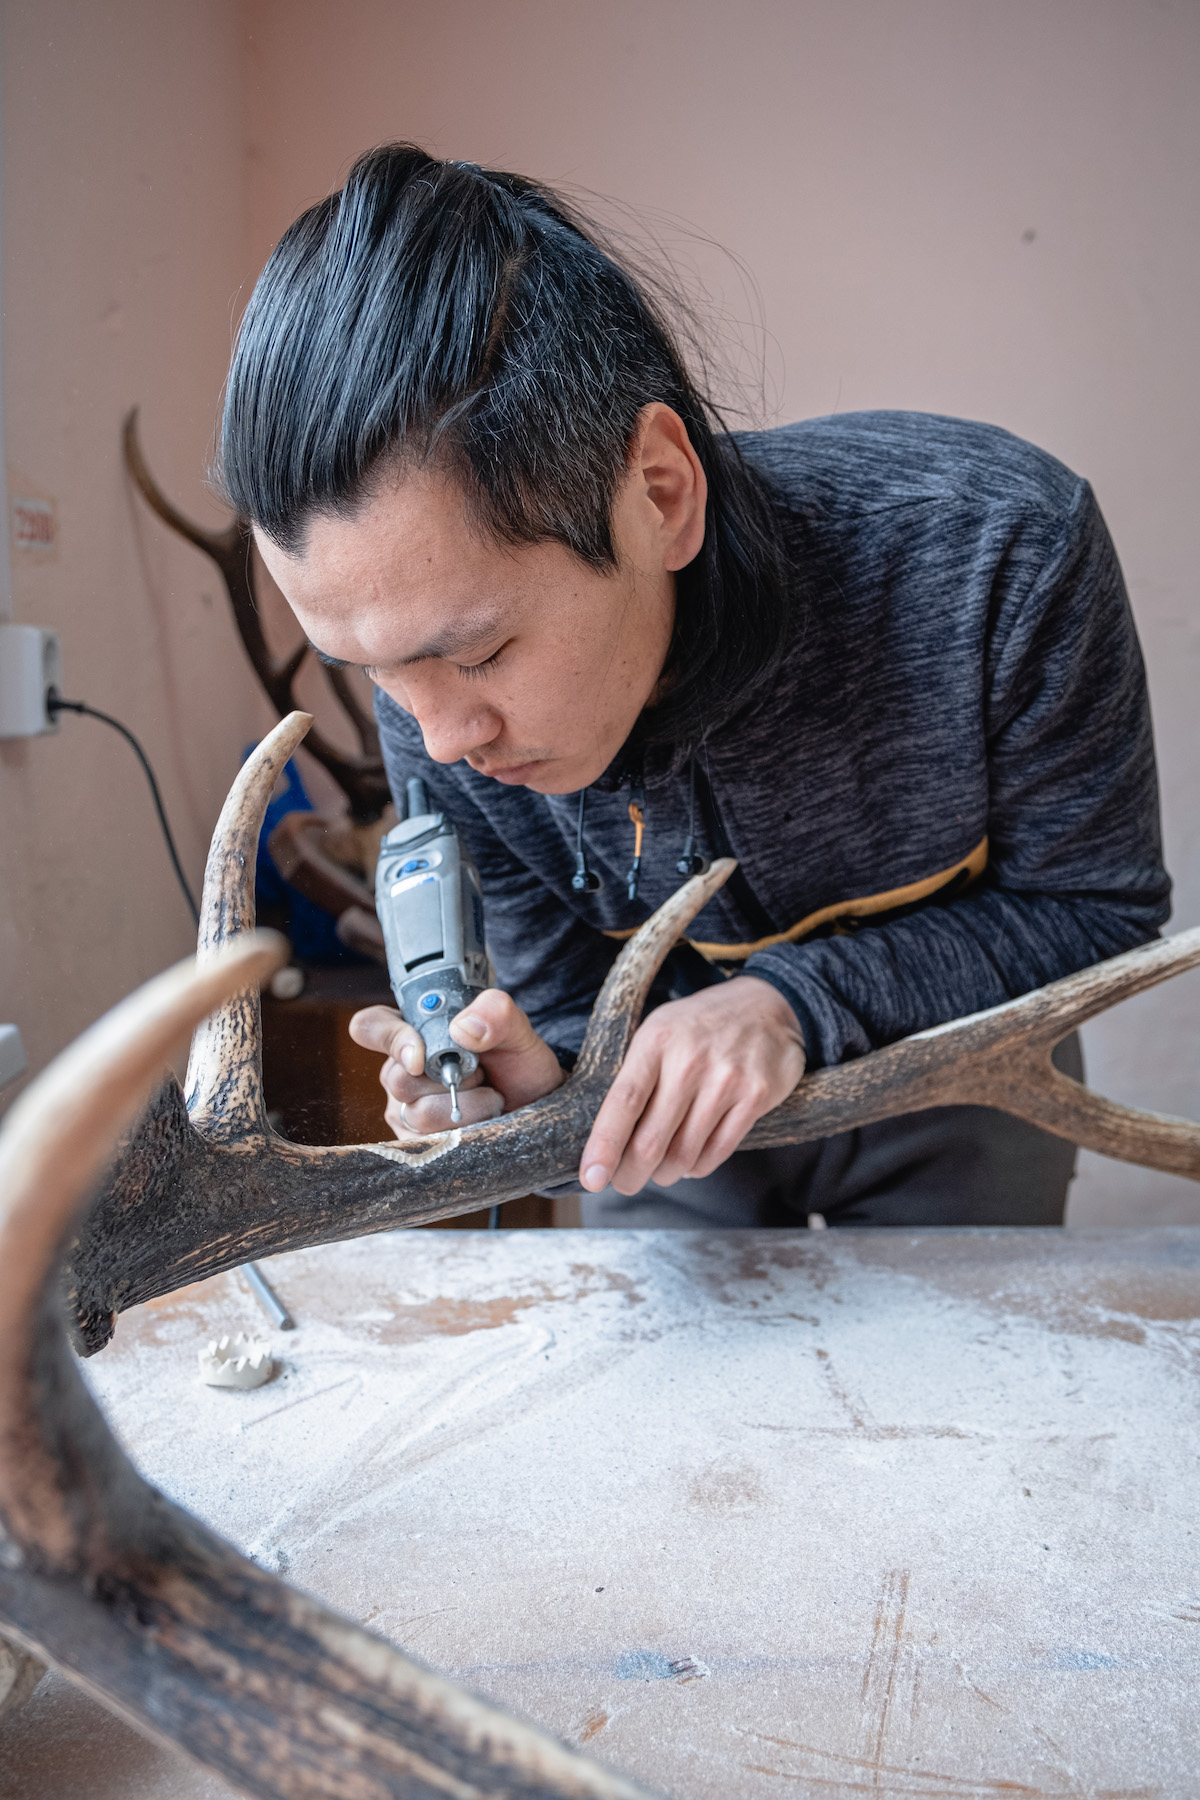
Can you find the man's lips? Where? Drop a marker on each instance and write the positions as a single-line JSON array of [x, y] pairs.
[[516, 774]]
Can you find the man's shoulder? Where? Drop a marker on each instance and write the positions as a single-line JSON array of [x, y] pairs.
[[853, 464]]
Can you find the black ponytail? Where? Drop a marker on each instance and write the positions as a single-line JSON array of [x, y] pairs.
[[438, 312]]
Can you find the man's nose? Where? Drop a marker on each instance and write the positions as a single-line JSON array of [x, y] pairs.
[[450, 733]]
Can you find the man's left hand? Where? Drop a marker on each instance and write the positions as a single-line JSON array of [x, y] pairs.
[[699, 1073]]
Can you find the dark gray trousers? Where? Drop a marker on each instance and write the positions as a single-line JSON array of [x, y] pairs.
[[952, 1165]]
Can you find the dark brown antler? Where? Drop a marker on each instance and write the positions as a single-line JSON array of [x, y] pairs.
[[130, 1595], [360, 777], [1001, 1058], [141, 1602], [205, 1187]]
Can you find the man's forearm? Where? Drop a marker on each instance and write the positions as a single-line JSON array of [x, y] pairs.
[[856, 993]]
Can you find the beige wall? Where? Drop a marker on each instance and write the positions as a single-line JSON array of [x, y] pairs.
[[123, 173], [981, 209]]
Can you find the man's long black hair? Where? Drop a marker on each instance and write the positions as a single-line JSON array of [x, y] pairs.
[[469, 319]]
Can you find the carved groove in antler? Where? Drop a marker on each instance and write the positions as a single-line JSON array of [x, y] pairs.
[[136, 1599]]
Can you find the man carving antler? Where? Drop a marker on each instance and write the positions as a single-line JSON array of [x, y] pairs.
[[886, 660]]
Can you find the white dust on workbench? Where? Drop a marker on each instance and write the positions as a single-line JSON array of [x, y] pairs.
[[609, 1456]]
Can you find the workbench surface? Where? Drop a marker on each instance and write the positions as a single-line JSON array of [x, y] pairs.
[[744, 1513]]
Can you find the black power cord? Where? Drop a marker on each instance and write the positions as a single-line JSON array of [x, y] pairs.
[[56, 704]]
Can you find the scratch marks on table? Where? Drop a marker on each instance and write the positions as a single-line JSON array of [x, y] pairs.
[[882, 1762], [862, 1422], [848, 1775], [883, 1660], [839, 1774], [876, 1434]]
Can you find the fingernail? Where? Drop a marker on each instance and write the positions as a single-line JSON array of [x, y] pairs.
[[471, 1027], [408, 1056], [595, 1177]]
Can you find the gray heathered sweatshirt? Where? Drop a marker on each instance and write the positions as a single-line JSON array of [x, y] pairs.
[[945, 797]]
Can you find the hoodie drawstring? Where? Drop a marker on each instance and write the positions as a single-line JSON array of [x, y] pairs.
[[691, 862], [637, 813], [586, 881]]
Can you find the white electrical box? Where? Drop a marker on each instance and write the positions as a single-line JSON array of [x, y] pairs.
[[30, 665]]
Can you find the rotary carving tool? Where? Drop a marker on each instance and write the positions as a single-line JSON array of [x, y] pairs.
[[430, 905]]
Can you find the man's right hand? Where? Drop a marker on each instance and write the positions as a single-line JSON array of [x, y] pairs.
[[516, 1065]]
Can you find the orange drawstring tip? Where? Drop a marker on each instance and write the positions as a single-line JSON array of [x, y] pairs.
[[639, 826], [639, 822]]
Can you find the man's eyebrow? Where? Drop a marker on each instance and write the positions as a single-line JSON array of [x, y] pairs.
[[450, 642], [454, 639]]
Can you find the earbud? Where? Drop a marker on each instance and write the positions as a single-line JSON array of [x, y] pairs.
[[585, 880]]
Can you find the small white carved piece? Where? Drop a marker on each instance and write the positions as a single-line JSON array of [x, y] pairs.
[[237, 1361]]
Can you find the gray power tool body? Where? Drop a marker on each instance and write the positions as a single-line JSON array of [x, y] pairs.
[[430, 905]]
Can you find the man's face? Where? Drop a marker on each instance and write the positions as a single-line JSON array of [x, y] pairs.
[[523, 660]]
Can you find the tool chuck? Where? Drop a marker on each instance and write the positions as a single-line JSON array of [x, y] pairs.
[[430, 904]]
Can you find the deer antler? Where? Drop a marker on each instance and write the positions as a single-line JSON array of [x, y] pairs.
[[207, 1186], [360, 777], [194, 1195], [132, 1596], [1001, 1058], [128, 1593]]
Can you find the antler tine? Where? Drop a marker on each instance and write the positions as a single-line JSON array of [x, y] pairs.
[[220, 545], [362, 720], [1065, 1005], [133, 1597], [1001, 1058], [224, 1079], [619, 1004], [1019, 1075], [53, 1146], [361, 778]]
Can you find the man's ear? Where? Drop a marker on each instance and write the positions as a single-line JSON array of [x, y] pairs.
[[674, 482]]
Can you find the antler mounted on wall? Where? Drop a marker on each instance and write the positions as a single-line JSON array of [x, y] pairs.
[[206, 1185], [360, 777]]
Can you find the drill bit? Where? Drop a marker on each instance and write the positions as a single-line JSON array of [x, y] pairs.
[[450, 1073]]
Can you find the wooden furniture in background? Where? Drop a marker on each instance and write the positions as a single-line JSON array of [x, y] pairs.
[[322, 1088]]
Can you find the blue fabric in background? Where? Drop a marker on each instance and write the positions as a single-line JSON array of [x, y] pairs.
[[310, 927]]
